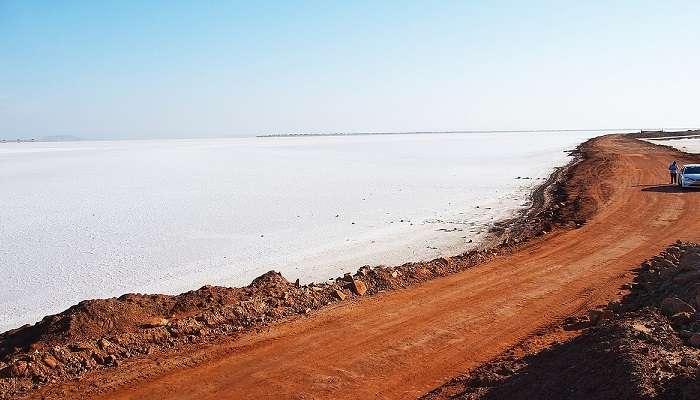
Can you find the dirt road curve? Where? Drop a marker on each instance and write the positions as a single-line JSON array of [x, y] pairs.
[[404, 343]]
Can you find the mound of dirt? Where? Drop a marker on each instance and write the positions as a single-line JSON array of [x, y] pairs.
[[638, 356], [101, 333], [657, 134], [643, 347]]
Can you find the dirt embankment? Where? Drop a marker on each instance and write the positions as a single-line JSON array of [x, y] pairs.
[[644, 346], [664, 134], [96, 334]]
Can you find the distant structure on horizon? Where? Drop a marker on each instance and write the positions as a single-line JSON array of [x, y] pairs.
[[56, 138], [17, 140]]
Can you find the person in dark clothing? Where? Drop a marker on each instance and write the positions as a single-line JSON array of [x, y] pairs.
[[673, 169]]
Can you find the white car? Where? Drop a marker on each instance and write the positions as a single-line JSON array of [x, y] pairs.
[[689, 176]]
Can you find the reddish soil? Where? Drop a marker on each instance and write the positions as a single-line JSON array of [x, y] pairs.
[[395, 344], [644, 346]]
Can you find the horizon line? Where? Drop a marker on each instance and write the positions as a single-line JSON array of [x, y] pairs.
[[478, 131], [51, 138]]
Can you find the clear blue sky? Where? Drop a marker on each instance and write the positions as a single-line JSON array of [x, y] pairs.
[[135, 69]]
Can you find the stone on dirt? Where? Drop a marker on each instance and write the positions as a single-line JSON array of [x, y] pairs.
[[50, 361], [340, 294], [689, 361], [682, 318], [674, 305], [104, 344], [359, 287], [17, 369], [687, 277], [667, 273], [597, 316], [694, 340]]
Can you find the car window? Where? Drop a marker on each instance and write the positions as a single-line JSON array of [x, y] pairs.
[[691, 170]]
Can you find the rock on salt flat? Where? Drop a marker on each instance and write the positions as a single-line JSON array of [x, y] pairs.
[[86, 220]]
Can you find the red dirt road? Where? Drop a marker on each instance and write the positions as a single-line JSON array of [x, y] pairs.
[[404, 343]]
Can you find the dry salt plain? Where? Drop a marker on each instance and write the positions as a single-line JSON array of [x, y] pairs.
[[82, 220], [688, 145]]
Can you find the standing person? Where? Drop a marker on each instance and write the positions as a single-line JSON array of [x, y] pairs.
[[673, 169]]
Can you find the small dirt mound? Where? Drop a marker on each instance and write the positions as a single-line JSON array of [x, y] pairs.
[[270, 280], [87, 320]]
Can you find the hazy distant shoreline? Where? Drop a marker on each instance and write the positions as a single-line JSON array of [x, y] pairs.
[[440, 132], [635, 132], [57, 138]]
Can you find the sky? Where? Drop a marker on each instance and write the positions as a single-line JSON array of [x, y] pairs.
[[159, 69]]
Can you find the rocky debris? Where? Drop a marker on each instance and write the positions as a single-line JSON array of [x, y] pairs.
[[102, 333], [17, 369], [645, 346]]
